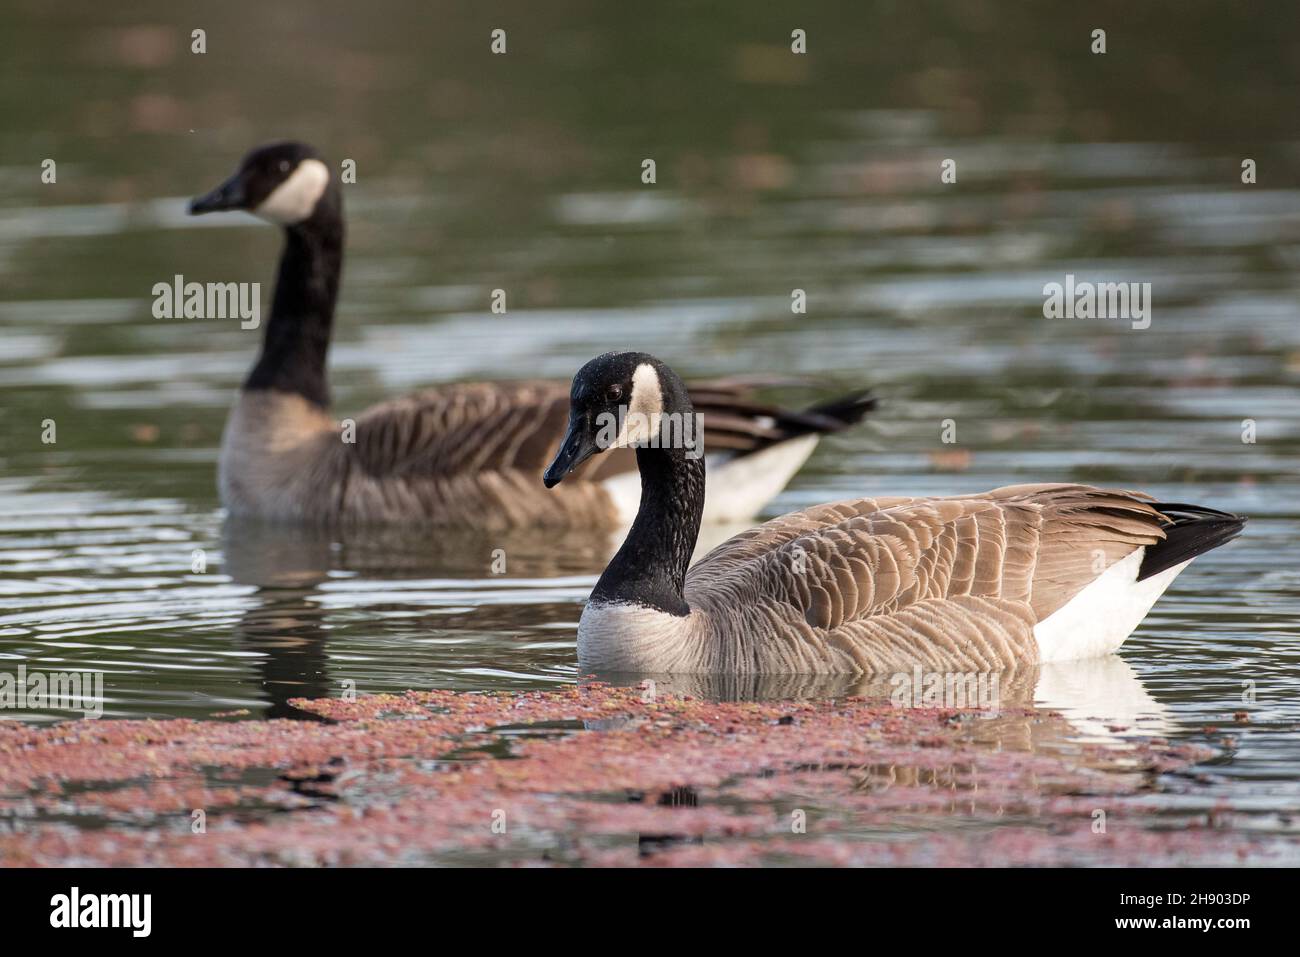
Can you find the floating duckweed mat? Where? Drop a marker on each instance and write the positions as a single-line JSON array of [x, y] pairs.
[[597, 775]]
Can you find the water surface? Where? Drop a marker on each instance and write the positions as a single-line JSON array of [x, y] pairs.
[[774, 174]]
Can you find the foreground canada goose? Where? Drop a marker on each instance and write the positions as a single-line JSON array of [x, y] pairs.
[[465, 454], [1026, 573]]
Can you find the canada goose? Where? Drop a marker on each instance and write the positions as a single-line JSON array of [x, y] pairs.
[[1027, 573], [464, 454]]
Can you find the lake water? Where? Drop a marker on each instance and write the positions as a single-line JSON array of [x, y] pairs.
[[774, 173]]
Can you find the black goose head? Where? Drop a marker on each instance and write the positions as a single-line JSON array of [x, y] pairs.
[[286, 183], [621, 399]]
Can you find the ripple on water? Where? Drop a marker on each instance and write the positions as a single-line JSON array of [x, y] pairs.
[[114, 555]]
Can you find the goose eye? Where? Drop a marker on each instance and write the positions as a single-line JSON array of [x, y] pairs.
[[614, 393], [284, 166]]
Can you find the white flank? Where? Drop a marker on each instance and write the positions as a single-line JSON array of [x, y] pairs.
[[625, 492], [736, 488], [294, 199], [1098, 619]]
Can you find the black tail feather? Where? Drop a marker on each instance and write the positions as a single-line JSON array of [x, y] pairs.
[[1195, 530], [737, 424], [827, 417], [845, 411]]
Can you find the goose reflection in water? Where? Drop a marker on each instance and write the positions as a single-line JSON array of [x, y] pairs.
[[1097, 700], [291, 566]]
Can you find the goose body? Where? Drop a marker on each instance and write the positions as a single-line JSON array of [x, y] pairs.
[[972, 583], [465, 455], [462, 454]]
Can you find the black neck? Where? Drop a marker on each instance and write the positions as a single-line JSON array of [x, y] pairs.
[[302, 312], [650, 568]]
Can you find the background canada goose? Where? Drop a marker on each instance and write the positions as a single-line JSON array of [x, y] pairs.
[[465, 454], [1025, 573]]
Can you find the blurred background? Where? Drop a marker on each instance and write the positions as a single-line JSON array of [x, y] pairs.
[[522, 171]]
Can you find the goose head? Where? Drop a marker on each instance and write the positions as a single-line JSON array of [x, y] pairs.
[[621, 400], [284, 183]]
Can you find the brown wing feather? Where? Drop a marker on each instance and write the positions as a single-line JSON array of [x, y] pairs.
[[474, 427], [499, 426], [956, 580]]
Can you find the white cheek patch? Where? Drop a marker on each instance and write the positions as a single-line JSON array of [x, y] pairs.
[[294, 199], [644, 408]]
